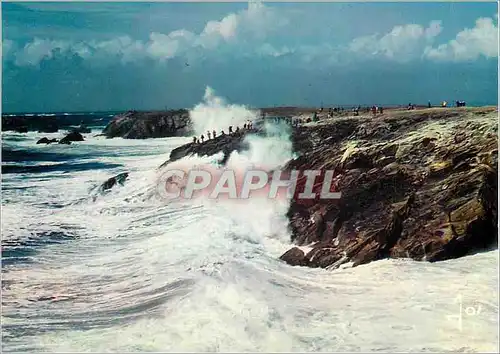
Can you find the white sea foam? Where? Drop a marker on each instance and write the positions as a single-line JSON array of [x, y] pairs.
[[214, 113], [141, 274]]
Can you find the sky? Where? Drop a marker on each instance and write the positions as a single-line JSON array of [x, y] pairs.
[[74, 56]]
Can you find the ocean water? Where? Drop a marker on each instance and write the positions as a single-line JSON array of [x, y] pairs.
[[129, 271]]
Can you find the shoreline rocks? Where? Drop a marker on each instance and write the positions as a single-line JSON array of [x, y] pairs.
[[70, 137], [144, 125], [419, 184], [410, 188]]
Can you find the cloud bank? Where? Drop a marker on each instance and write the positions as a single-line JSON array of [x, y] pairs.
[[250, 32]]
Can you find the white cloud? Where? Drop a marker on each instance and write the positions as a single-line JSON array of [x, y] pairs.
[[402, 43], [37, 50], [469, 44]]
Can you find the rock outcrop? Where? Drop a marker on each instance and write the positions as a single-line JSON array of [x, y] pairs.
[[143, 125], [46, 140], [222, 143], [417, 184]]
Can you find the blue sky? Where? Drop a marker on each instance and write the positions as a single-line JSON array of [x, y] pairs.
[[112, 56]]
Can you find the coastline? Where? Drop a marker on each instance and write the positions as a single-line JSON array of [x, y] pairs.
[[419, 184]]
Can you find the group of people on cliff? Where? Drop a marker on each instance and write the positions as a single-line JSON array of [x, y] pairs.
[[212, 135], [354, 110]]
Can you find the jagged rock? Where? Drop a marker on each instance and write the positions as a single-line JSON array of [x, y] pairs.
[[46, 140], [82, 129], [49, 128], [222, 143], [406, 192], [73, 136], [143, 125], [111, 182], [294, 257]]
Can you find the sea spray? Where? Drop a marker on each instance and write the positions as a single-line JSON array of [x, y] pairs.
[[215, 113]]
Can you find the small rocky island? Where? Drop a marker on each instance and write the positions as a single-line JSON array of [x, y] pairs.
[[143, 125], [419, 184]]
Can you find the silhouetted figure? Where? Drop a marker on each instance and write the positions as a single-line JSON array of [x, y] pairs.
[[195, 140], [214, 133], [222, 133], [230, 129], [208, 134], [237, 130], [429, 104], [245, 126], [202, 138]]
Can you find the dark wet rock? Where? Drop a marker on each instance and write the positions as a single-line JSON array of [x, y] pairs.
[[294, 257], [222, 143], [46, 140], [73, 136], [143, 125], [111, 182], [49, 128], [406, 191], [23, 124]]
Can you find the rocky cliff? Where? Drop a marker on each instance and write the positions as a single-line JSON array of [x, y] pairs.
[[418, 184], [143, 125]]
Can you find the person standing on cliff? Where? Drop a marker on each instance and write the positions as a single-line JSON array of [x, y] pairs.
[[195, 140], [208, 134], [222, 133], [202, 138], [230, 129], [214, 133]]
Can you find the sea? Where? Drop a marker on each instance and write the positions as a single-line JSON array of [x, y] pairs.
[[128, 271]]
